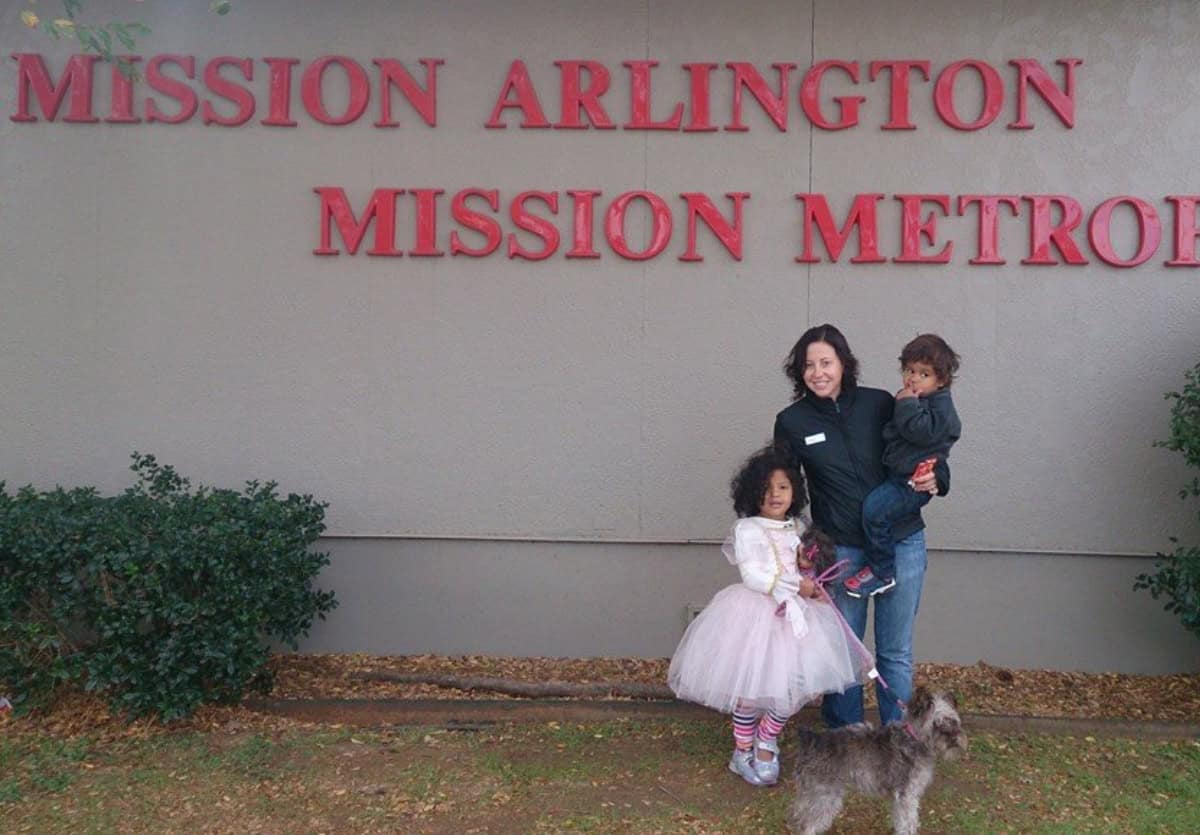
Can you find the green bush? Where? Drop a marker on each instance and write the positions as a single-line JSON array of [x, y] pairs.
[[160, 598], [1177, 575]]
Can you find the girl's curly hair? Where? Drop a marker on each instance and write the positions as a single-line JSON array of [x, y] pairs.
[[749, 486]]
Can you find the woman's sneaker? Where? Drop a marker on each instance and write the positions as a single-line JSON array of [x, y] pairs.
[[866, 584], [742, 764]]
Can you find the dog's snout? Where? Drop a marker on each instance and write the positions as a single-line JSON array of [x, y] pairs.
[[958, 746]]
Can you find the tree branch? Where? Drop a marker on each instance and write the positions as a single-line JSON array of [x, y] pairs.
[[529, 689]]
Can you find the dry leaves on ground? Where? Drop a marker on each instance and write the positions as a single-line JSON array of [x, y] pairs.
[[981, 688]]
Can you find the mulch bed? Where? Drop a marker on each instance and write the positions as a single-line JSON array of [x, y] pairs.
[[981, 688]]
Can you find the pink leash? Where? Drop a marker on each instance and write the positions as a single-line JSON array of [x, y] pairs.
[[831, 575]]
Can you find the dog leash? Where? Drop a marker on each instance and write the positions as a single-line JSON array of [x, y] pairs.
[[900, 702], [831, 575]]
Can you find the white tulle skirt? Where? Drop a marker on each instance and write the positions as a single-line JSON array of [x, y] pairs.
[[737, 652]]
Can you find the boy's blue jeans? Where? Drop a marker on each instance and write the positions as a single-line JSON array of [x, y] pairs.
[[882, 509], [895, 616]]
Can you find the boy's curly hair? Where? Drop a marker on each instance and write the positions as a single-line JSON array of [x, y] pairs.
[[932, 349], [749, 486]]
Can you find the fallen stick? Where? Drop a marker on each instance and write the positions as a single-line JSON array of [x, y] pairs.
[[529, 689], [670, 794]]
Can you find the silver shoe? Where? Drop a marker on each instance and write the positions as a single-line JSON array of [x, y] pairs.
[[741, 765], [767, 770]]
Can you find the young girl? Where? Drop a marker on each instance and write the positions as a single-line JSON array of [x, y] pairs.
[[764, 647]]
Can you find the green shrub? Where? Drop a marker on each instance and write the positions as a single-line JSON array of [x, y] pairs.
[[1177, 574], [160, 598]]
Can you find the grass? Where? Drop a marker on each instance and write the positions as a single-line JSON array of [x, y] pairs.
[[47, 767], [1071, 785], [615, 777]]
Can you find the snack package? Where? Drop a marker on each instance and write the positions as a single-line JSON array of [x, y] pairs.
[[923, 469]]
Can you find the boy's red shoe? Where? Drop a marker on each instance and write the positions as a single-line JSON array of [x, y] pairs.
[[866, 584]]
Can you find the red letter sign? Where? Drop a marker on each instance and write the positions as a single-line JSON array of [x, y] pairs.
[[483, 224], [862, 216], [381, 209], [76, 76], [359, 90], [1032, 72], [541, 227], [575, 98], [660, 233], [1185, 231], [236, 93], [1149, 231], [810, 96], [527, 101], [913, 229], [1042, 232], [775, 105], [639, 100], [898, 119], [424, 101], [993, 95], [989, 223], [729, 234], [177, 90]]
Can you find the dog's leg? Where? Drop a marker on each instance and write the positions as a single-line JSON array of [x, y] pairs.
[[814, 810], [906, 803], [906, 812]]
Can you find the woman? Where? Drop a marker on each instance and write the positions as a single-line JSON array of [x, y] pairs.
[[835, 431]]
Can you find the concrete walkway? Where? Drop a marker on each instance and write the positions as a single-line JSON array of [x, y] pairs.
[[475, 714]]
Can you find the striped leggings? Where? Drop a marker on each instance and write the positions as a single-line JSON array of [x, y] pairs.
[[747, 724]]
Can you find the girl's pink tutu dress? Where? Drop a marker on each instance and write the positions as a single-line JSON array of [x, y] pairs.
[[739, 653]]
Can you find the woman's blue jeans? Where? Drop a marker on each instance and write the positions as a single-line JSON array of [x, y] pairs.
[[895, 617]]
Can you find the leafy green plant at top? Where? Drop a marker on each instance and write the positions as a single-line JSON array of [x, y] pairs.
[[99, 38]]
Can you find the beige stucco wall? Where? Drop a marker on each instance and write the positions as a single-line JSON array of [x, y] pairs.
[[160, 294], [1072, 612]]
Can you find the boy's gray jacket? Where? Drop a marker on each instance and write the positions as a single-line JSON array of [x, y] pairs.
[[920, 428]]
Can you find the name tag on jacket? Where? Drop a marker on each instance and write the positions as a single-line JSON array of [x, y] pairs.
[[818, 438]]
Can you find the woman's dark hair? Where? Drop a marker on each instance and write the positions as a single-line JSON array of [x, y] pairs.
[[931, 349], [793, 366], [749, 486]]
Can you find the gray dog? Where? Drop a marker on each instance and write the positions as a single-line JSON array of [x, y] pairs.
[[895, 760]]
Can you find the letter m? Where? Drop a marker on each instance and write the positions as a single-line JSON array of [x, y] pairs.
[[862, 216], [76, 77], [381, 208]]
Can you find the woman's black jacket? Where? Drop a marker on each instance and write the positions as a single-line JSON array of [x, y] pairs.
[[839, 445]]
